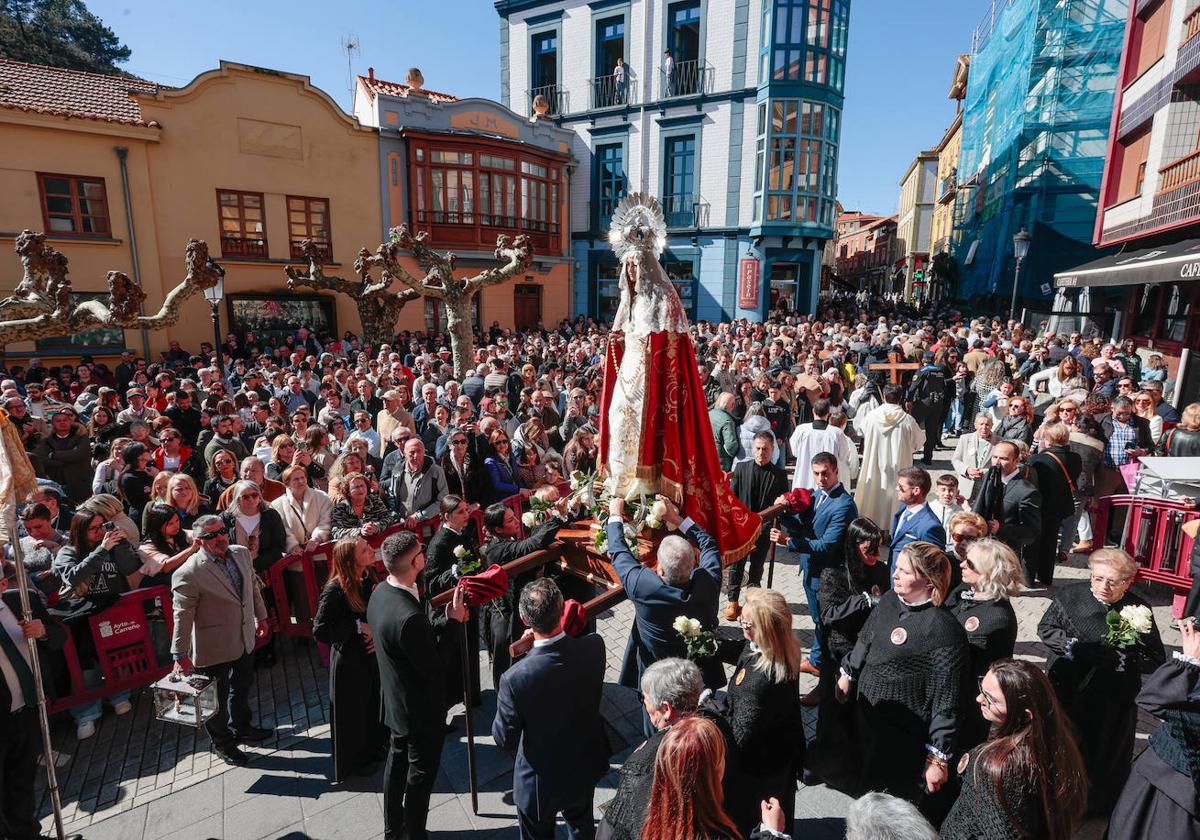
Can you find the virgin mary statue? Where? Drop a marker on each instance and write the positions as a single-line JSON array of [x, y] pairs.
[[655, 435]]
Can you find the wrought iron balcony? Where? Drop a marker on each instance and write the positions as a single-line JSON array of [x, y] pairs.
[[556, 99], [324, 250], [607, 93], [237, 246], [686, 211], [688, 78]]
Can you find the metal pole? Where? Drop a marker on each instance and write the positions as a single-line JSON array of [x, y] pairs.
[[466, 676], [36, 667], [1012, 308], [771, 566], [122, 154], [216, 319]]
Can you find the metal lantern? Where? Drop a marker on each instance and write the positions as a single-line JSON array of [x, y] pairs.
[[189, 700]]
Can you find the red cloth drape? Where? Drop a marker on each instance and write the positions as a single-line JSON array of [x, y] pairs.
[[678, 452]]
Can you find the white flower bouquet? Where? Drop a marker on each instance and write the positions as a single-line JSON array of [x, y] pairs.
[[699, 642], [1125, 629], [468, 562]]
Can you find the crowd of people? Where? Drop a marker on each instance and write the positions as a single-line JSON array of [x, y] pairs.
[[203, 471]]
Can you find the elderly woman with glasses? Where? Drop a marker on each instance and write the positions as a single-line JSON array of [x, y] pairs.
[[254, 525], [982, 604], [1096, 682], [462, 474]]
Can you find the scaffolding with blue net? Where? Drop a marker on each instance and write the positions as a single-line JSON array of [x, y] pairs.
[[1034, 137]]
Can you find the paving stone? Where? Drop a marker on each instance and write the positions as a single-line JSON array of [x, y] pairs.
[[354, 819], [127, 825], [166, 816], [261, 816]]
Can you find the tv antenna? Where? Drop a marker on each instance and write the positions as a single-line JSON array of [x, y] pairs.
[[351, 46]]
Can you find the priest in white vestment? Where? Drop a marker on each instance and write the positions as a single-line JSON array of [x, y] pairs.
[[890, 436], [820, 436]]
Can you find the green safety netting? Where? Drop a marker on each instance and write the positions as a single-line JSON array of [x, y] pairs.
[[1034, 137]]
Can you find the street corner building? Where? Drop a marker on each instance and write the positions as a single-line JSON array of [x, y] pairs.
[[729, 112]]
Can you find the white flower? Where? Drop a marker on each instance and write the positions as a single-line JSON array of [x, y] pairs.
[[653, 522], [529, 519], [694, 627], [682, 625], [461, 551], [659, 509], [1139, 618]]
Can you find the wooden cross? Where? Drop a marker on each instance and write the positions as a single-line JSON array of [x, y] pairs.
[[896, 368]]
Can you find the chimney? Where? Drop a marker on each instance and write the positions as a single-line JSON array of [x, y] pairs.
[[371, 74]]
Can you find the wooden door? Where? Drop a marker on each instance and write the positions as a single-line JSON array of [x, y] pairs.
[[527, 305]]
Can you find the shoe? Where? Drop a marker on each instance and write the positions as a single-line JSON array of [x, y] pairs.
[[86, 729], [253, 734], [813, 698], [123, 708], [1082, 547], [732, 611], [55, 836], [809, 778], [806, 667], [232, 755]]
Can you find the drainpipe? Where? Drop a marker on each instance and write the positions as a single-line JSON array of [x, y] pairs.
[[648, 59], [122, 155]]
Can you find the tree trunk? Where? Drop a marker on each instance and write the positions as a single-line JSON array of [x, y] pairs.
[[378, 315], [462, 337]]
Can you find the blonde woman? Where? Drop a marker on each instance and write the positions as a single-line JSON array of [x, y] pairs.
[[111, 508], [1095, 682], [908, 671], [1143, 406], [764, 699], [991, 575], [184, 496]]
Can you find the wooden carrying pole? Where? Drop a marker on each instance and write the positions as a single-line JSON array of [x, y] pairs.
[[35, 665]]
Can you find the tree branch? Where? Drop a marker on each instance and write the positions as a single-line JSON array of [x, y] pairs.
[[517, 255]]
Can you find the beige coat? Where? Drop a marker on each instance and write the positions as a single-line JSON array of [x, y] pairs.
[[213, 624], [304, 522]]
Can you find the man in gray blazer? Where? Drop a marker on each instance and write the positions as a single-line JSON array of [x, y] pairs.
[[219, 613]]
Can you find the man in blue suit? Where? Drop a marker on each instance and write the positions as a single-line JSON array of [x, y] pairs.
[[818, 535], [678, 587], [914, 520], [548, 709]]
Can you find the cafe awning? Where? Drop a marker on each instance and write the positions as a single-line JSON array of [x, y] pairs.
[[1164, 264]]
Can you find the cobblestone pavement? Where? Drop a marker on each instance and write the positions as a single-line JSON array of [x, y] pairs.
[[139, 779]]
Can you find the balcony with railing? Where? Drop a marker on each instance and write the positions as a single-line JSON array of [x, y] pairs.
[[607, 92], [324, 251], [556, 99], [1191, 26], [239, 246], [687, 78], [686, 211], [1179, 173]]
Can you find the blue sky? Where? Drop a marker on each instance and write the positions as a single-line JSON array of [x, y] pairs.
[[901, 57]]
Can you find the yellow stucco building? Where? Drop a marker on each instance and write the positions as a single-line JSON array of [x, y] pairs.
[[120, 173]]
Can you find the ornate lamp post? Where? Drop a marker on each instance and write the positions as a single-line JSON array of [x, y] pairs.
[[1021, 240], [214, 296]]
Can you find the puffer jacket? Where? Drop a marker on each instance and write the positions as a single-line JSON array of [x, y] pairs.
[[68, 461]]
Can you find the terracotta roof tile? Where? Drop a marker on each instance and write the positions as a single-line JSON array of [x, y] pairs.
[[72, 93], [379, 86]]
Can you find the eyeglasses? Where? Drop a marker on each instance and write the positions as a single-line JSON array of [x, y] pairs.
[[963, 538], [249, 496], [989, 702], [1107, 581], [746, 625], [462, 442], [212, 535]]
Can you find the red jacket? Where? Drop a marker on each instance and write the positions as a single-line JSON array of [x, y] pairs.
[[185, 452]]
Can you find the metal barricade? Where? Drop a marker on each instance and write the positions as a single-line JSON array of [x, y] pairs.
[[1153, 536]]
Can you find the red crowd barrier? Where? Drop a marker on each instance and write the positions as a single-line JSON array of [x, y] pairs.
[[131, 654], [126, 649], [1153, 536]]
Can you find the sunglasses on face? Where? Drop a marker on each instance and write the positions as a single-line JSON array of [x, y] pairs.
[[212, 535]]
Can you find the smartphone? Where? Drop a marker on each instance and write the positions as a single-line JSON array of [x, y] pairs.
[[110, 526]]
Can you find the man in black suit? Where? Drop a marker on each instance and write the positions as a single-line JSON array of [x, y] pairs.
[[1056, 469], [442, 557], [20, 731], [678, 587], [502, 626], [412, 683], [1010, 502], [757, 484], [548, 710]]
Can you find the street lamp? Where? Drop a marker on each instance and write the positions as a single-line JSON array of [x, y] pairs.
[[1021, 240], [214, 296]]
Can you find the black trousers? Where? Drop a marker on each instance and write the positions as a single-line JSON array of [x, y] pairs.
[[1042, 555], [932, 423], [408, 776], [233, 696], [498, 632], [20, 746], [577, 815], [737, 572]]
